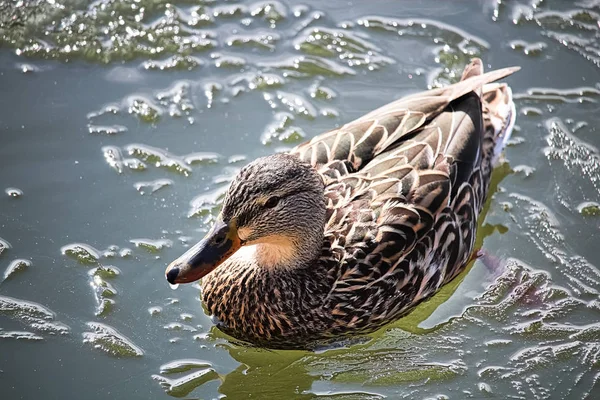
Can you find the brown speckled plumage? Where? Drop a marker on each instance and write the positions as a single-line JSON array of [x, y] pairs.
[[400, 188]]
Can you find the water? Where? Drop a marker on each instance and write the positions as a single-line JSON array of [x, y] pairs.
[[122, 122]]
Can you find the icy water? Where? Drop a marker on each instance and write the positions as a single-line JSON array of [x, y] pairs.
[[121, 123]]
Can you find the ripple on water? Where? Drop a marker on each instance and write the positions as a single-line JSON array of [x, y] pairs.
[[108, 130], [34, 315], [376, 364], [25, 309], [19, 335], [547, 342], [263, 40], [207, 205], [159, 157], [82, 253], [531, 111], [272, 12], [589, 209], [152, 186], [228, 61], [529, 49], [152, 245], [88, 255], [345, 45], [13, 192], [109, 109], [541, 226], [585, 94], [105, 272], [15, 267], [154, 311], [27, 68], [307, 66], [454, 47], [4, 245], [575, 28], [193, 373], [114, 158], [152, 30], [294, 103], [578, 156], [282, 130], [104, 292], [107, 339], [524, 170], [186, 317], [314, 51], [183, 365], [516, 329], [255, 80], [202, 158], [175, 101], [177, 326], [176, 62], [321, 92], [238, 158], [144, 109]]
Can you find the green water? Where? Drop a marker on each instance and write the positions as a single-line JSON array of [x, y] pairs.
[[122, 121]]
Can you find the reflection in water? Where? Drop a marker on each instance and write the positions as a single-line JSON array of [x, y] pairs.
[[175, 96], [397, 358]]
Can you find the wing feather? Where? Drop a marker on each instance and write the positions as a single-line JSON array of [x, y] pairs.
[[404, 187]]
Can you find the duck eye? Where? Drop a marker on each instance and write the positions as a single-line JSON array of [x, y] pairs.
[[272, 202]]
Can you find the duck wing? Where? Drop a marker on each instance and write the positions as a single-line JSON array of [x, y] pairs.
[[358, 142], [405, 185]]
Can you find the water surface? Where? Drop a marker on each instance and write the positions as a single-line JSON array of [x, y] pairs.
[[121, 123]]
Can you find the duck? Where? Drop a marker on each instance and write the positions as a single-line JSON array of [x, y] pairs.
[[351, 230]]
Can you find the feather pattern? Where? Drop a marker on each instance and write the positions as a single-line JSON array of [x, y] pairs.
[[404, 186]]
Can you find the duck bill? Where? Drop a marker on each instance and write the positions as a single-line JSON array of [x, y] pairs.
[[218, 245]]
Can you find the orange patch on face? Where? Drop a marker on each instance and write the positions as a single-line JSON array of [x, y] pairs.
[[271, 251], [244, 233]]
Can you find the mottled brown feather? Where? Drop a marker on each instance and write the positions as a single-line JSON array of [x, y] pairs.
[[404, 186]]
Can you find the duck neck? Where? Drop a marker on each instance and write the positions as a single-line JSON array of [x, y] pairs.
[[267, 303]]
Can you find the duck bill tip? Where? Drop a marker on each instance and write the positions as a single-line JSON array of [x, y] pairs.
[[202, 258]]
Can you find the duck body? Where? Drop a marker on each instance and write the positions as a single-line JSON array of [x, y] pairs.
[[384, 214]]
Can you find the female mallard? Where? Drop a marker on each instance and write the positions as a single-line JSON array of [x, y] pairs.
[[351, 230]]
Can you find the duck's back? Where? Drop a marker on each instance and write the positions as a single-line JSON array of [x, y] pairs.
[[405, 185]]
